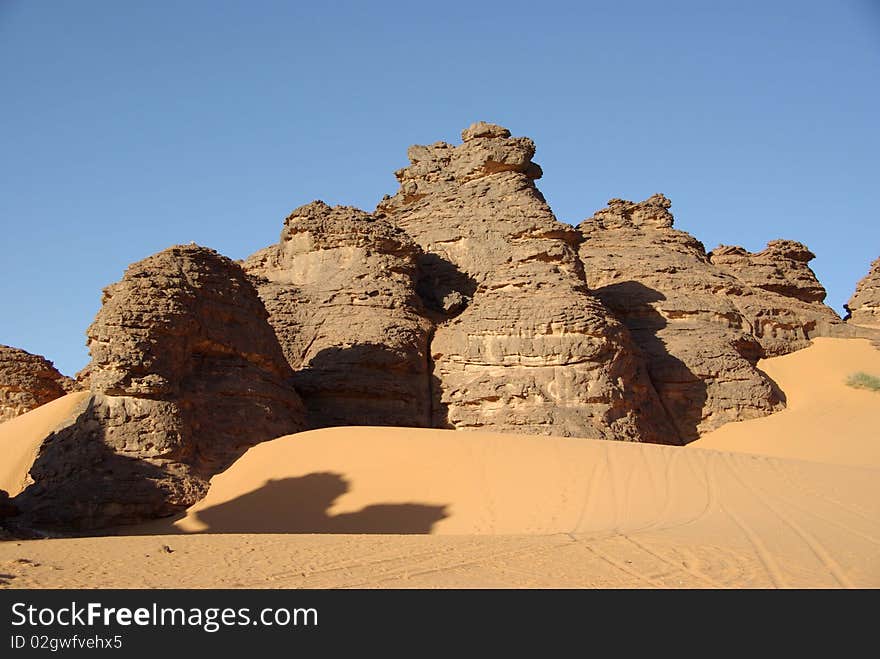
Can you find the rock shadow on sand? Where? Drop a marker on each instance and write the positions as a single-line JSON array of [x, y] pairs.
[[302, 505]]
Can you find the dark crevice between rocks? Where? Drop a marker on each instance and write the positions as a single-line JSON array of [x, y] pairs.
[[432, 390], [445, 291], [681, 392]]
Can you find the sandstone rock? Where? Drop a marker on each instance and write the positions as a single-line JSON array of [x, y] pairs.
[[680, 310], [186, 374], [864, 305], [782, 267], [520, 344], [28, 381], [483, 129], [782, 299], [340, 289]]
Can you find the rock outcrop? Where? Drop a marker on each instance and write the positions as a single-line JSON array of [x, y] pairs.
[[680, 310], [782, 299], [28, 381], [782, 268], [341, 291], [864, 305], [186, 374], [520, 344]]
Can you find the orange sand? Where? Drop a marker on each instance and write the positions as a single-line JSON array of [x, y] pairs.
[[20, 438], [825, 420], [398, 507]]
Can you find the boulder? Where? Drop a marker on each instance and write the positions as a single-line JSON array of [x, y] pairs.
[[186, 374]]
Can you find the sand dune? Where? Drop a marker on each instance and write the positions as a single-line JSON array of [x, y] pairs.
[[825, 420], [547, 513], [399, 480], [398, 507], [20, 439]]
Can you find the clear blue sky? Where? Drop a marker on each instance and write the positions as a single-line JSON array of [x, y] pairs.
[[126, 127]]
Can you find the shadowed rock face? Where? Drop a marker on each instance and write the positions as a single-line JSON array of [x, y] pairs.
[[186, 374], [864, 305], [520, 344], [340, 289], [782, 299], [680, 310], [28, 381]]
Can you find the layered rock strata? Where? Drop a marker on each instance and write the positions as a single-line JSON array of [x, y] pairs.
[[520, 345], [782, 299], [680, 310]]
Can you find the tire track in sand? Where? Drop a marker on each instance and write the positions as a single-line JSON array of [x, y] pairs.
[[815, 546], [623, 567], [797, 506], [675, 566], [820, 494], [764, 556], [476, 557]]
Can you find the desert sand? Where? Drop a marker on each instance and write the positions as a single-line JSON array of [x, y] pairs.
[[20, 438], [824, 420], [792, 500]]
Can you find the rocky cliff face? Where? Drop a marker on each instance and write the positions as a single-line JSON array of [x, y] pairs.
[[28, 381], [782, 299], [340, 289], [678, 306], [186, 374], [864, 305], [520, 345]]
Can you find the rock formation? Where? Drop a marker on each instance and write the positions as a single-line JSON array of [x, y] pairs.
[[864, 305], [520, 344], [28, 381], [782, 267], [678, 306], [186, 374], [782, 299], [461, 302], [340, 289]]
